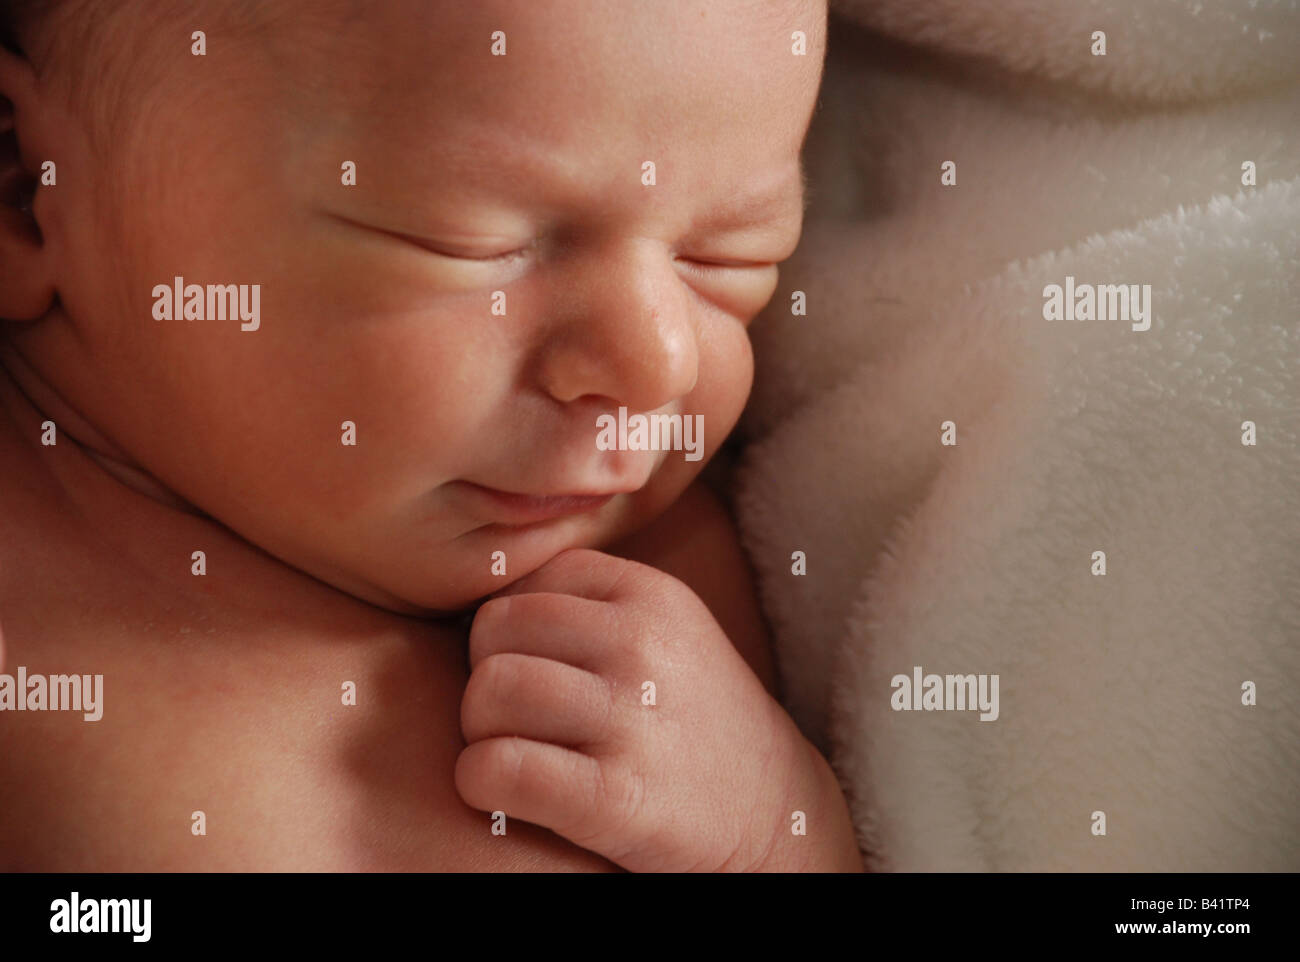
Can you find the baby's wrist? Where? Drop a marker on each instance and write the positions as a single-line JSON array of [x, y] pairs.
[[817, 836]]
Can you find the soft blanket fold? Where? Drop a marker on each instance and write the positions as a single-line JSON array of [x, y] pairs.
[[1121, 693]]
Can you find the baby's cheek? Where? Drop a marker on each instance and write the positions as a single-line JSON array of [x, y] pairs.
[[432, 404], [726, 376]]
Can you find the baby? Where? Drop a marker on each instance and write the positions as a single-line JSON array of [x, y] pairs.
[[313, 309]]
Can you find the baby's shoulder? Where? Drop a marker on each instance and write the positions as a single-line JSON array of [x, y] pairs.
[[205, 744], [244, 718]]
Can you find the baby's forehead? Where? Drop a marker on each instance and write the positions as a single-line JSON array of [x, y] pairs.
[[433, 97], [386, 54], [463, 53], [410, 64]]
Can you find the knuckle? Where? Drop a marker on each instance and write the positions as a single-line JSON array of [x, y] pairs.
[[650, 641], [498, 676], [487, 621], [576, 559], [489, 687], [483, 772], [631, 581], [613, 572], [503, 766], [549, 606], [571, 555], [602, 709], [619, 798]]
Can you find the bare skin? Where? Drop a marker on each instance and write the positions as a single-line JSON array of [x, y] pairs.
[[226, 698], [328, 564]]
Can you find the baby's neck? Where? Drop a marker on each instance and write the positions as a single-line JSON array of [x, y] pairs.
[[30, 401], [87, 479], [82, 534]]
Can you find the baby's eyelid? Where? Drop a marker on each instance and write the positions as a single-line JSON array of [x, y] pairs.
[[454, 251], [485, 251], [724, 264], [486, 258], [703, 262], [450, 250]]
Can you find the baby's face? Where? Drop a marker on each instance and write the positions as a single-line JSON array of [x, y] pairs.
[[377, 300]]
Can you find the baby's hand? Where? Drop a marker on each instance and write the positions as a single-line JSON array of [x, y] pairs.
[[606, 704]]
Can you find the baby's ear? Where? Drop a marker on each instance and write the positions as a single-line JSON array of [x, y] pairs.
[[26, 287]]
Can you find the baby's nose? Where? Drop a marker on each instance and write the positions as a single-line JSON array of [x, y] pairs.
[[629, 334]]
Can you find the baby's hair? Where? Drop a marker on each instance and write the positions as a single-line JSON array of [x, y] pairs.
[[81, 46], [10, 13]]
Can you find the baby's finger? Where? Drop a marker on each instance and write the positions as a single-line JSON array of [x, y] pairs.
[[573, 630], [577, 571], [537, 698], [548, 785]]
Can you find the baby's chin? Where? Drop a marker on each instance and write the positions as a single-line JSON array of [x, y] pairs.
[[482, 562]]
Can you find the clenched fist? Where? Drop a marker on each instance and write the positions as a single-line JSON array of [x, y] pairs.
[[606, 704]]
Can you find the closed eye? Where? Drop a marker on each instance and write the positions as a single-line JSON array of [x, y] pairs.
[[453, 253], [462, 254], [474, 256], [713, 265], [738, 287]]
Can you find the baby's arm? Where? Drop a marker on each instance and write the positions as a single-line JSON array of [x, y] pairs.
[[707, 776]]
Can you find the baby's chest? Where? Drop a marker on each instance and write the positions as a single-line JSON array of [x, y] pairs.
[[230, 746]]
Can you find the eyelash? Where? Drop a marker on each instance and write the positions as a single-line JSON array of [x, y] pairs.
[[710, 266], [491, 259], [703, 267]]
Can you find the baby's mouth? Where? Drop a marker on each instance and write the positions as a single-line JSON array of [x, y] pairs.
[[514, 509]]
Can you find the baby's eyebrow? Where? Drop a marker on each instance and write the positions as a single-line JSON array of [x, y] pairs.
[[763, 207]]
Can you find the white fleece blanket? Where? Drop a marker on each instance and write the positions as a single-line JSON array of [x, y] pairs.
[[1119, 693]]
